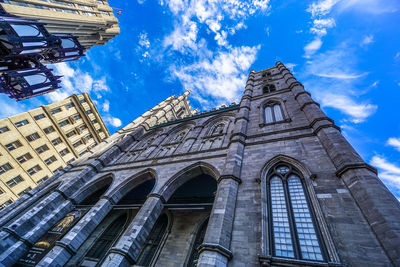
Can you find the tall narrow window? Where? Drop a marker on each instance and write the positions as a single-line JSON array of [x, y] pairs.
[[273, 113], [269, 88], [99, 249], [153, 241], [194, 253], [293, 231]]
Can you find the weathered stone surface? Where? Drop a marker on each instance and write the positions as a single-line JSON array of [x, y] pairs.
[[356, 216]]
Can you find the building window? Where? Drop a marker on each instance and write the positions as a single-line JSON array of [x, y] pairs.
[[94, 121], [88, 137], [5, 167], [49, 129], [269, 88], [219, 129], [91, 14], [77, 117], [42, 149], [21, 123], [273, 113], [32, 137], [34, 169], [71, 133], [24, 158], [13, 145], [293, 232], [82, 153], [100, 2], [43, 179], [77, 144], [89, 111], [50, 160], [55, 110], [63, 123], [38, 117], [64, 152], [56, 141], [105, 13], [194, 254], [99, 130], [25, 191], [153, 241], [69, 105], [1, 192], [14, 181], [4, 129], [5, 204], [82, 100]]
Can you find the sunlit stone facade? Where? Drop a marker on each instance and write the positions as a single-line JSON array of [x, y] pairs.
[[270, 181]]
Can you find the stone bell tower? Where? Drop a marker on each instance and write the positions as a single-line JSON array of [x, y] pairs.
[[270, 181]]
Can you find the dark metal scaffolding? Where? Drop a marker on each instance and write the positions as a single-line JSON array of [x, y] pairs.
[[25, 46]]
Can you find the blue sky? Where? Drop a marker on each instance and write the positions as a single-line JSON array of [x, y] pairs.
[[346, 53]]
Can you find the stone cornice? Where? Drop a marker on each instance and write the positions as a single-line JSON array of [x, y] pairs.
[[216, 248]]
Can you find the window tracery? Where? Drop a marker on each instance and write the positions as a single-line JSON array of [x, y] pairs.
[[293, 231], [269, 88]]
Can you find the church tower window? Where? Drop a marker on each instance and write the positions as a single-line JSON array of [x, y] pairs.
[[273, 113], [269, 88], [293, 232]]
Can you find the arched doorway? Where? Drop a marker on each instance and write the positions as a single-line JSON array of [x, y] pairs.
[[189, 205]]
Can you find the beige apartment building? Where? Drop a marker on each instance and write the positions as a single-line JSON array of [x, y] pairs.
[[37, 143], [92, 21]]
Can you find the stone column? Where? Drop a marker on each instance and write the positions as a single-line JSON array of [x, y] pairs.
[[70, 243], [378, 205], [128, 247], [215, 250]]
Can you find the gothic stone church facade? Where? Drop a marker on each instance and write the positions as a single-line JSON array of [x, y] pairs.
[[268, 182]]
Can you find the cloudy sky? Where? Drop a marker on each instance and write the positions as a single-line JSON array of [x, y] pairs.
[[345, 52]]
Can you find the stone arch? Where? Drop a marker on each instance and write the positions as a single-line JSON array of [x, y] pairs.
[[120, 190], [306, 173], [185, 175], [93, 186], [306, 176]]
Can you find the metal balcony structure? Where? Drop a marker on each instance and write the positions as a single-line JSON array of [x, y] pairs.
[[25, 46]]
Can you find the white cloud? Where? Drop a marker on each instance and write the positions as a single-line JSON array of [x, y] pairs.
[[75, 82], [221, 18], [290, 66], [397, 56], [10, 107], [373, 7], [115, 122], [389, 172], [394, 142], [367, 40], [374, 84], [358, 111], [321, 8], [313, 47], [144, 40], [222, 77], [335, 84], [106, 106]]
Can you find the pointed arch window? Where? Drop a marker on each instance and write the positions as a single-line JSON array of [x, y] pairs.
[[181, 135], [153, 242], [293, 232], [273, 112]]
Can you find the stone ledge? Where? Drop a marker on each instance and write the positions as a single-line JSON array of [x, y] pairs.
[[229, 176], [276, 261], [216, 248], [353, 166]]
